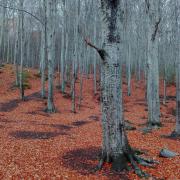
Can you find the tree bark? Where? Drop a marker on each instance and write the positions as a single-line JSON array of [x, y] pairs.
[[115, 143], [22, 50], [50, 52], [152, 64]]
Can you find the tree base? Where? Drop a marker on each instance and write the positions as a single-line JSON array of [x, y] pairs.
[[43, 97], [50, 110], [154, 125], [120, 163], [151, 126], [174, 135]]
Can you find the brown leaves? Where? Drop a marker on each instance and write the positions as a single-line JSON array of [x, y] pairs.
[[64, 145]]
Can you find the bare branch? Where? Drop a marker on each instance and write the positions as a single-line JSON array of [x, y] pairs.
[[103, 54], [22, 10]]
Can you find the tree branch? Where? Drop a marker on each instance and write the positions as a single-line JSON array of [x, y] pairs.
[[22, 10], [156, 29], [103, 54], [90, 44]]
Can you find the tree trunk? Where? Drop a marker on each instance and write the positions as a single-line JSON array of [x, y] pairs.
[[177, 129], [115, 146], [43, 50], [115, 143], [50, 52], [152, 64], [22, 50], [2, 36]]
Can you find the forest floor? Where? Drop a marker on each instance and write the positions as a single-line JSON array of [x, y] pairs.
[[37, 145]]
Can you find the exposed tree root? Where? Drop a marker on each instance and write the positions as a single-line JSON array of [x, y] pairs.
[[101, 162], [120, 163], [134, 164], [139, 152], [145, 162]]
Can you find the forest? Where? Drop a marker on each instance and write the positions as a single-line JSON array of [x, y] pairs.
[[89, 89]]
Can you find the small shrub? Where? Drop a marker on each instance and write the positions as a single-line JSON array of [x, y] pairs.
[[25, 78]]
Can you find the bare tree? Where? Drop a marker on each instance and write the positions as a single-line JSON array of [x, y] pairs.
[[115, 148]]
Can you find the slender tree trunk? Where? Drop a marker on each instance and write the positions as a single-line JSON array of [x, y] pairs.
[[50, 52], [2, 35], [43, 50], [152, 64], [22, 50]]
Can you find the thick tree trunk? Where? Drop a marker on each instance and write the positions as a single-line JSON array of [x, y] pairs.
[[115, 143], [177, 129], [115, 146]]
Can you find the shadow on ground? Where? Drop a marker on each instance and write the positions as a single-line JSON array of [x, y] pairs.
[[84, 161], [59, 129], [13, 104], [9, 106], [80, 123], [35, 134]]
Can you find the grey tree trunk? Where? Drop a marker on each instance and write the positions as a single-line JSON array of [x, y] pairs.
[[177, 129], [50, 52], [43, 50], [2, 35], [63, 50], [115, 146], [115, 143], [152, 63], [21, 84]]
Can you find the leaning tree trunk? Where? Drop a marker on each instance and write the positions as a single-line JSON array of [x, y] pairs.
[[152, 63]]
